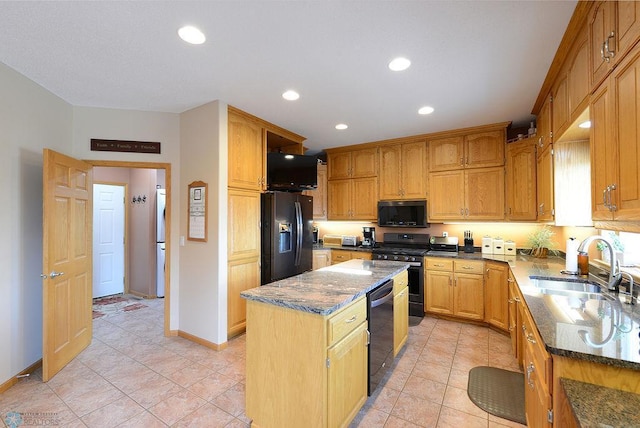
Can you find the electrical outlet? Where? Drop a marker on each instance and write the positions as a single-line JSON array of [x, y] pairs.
[[445, 234], [182, 241]]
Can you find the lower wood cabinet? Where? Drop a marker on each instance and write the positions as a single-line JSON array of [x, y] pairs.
[[515, 318], [339, 256], [304, 369], [454, 287], [241, 276], [400, 311], [321, 258], [496, 295]]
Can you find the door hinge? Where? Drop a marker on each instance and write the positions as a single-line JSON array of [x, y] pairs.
[[550, 416], [328, 362]]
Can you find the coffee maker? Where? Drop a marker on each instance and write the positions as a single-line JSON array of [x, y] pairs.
[[368, 236]]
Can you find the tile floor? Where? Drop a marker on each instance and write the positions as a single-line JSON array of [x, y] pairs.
[[133, 376]]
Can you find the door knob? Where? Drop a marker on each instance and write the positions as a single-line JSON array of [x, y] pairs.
[[53, 274]]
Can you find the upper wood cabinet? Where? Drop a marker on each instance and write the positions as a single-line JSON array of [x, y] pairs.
[[352, 164], [578, 76], [615, 143], [474, 194], [544, 125], [473, 150], [521, 180], [246, 153], [319, 194], [614, 28], [353, 199], [544, 174], [403, 171]]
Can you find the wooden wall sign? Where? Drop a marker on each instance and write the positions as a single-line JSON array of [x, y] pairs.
[[124, 146]]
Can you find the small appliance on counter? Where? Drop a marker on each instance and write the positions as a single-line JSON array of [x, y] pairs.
[[350, 241], [368, 236], [316, 234], [443, 245], [468, 241], [334, 241]]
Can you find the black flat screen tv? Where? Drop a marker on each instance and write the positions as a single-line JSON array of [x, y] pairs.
[[291, 173]]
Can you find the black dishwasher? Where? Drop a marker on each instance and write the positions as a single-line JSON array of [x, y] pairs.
[[380, 316]]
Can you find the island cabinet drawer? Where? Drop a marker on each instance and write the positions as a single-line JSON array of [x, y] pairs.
[[467, 266], [400, 281], [438, 263], [346, 320]]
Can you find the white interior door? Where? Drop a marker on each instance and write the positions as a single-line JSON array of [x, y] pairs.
[[108, 240]]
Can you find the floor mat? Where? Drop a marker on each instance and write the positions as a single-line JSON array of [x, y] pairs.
[[498, 391], [111, 305]]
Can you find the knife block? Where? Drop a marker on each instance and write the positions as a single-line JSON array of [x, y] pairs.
[[468, 245]]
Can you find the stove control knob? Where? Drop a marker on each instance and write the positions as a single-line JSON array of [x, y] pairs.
[[385, 257], [411, 259], [395, 257]]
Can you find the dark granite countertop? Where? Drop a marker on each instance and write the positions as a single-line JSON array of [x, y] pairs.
[[326, 290], [598, 406]]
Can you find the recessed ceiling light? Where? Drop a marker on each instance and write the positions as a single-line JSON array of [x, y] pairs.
[[585, 124], [425, 110], [399, 64], [191, 35], [290, 95], [341, 126]]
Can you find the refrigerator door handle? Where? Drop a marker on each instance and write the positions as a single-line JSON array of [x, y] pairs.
[[298, 232]]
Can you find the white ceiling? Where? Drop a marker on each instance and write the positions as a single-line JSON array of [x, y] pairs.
[[475, 62]]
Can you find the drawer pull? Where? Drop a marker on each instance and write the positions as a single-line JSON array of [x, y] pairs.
[[438, 265], [469, 267], [352, 319], [530, 339]]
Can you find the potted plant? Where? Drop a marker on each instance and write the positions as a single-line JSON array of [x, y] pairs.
[[540, 242]]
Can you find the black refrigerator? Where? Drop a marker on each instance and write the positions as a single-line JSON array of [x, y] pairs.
[[287, 235]]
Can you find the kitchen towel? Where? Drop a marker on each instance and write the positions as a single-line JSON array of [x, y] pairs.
[[571, 260]]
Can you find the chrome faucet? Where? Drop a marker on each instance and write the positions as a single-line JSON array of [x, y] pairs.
[[614, 274]]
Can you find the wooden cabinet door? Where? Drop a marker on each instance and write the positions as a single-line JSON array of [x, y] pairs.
[[364, 163], [438, 296], [361, 255], [513, 314], [560, 111], [241, 275], [446, 154], [400, 319], [243, 216], [521, 181], [536, 396], [484, 194], [339, 256], [626, 87], [544, 125], [364, 198], [468, 296], [339, 199], [347, 377], [390, 172], [319, 195], [446, 195], [603, 152], [628, 23], [321, 258], [496, 295], [246, 154], [545, 185], [578, 76], [338, 165], [484, 149], [601, 30], [413, 170]]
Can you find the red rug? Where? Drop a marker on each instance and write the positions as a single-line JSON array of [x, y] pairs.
[[112, 305]]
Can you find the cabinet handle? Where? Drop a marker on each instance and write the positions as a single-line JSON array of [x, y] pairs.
[[352, 319], [530, 339], [462, 211], [605, 193], [610, 53], [510, 301], [470, 267], [611, 206], [510, 280], [462, 161], [530, 369], [438, 265], [466, 212], [517, 299], [604, 58]]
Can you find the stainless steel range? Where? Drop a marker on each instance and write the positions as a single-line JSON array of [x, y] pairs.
[[411, 248]]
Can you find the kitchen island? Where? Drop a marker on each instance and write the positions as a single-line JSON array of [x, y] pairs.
[[307, 339]]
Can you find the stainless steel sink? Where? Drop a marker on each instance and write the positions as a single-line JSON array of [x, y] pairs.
[[552, 284]]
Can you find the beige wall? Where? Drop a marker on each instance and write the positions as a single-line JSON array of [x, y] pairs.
[[203, 265], [31, 119]]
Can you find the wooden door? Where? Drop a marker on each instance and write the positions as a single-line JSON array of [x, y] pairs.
[[438, 292], [413, 170], [484, 193], [67, 260], [446, 154], [364, 163], [320, 195], [400, 319], [244, 224], [601, 27], [241, 275], [484, 149], [602, 151], [390, 165], [468, 296], [246, 153], [339, 165], [628, 24], [544, 125], [560, 113], [521, 181], [626, 87], [364, 198], [108, 242], [496, 295], [545, 185], [446, 195], [578, 76], [339, 199]]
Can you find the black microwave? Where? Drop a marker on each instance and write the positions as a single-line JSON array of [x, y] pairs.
[[402, 213]]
